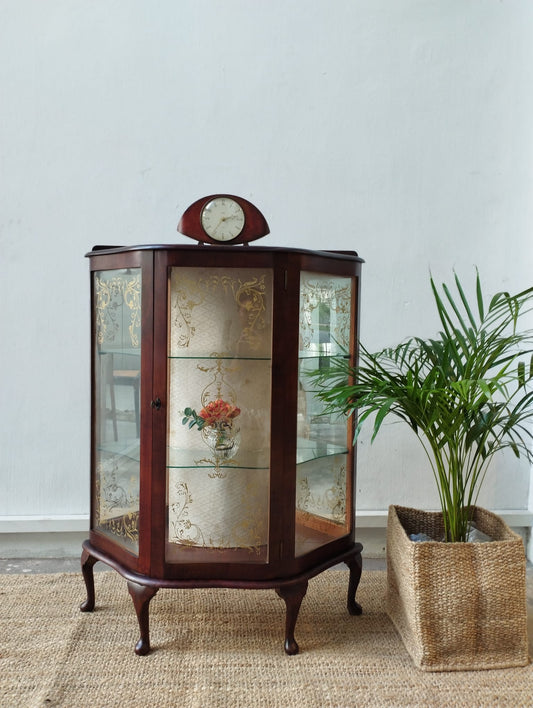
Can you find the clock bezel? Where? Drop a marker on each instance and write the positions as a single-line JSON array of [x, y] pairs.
[[211, 204], [255, 224]]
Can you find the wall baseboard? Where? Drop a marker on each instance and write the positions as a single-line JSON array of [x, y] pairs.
[[59, 523], [61, 536]]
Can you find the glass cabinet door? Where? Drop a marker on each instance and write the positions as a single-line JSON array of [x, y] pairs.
[[117, 370], [219, 388], [323, 458]]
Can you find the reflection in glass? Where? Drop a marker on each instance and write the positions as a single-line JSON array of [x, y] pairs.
[[117, 339], [322, 447]]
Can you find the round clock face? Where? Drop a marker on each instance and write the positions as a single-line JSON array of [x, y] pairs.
[[222, 219]]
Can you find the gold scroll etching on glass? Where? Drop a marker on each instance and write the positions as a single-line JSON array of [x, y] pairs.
[[220, 344], [117, 335]]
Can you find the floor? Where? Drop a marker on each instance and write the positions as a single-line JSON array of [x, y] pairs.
[[33, 566]]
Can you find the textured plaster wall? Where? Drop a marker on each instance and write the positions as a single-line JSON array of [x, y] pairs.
[[398, 128]]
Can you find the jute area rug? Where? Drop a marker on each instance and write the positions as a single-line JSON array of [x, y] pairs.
[[217, 648]]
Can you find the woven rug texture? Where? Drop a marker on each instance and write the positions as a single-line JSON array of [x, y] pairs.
[[215, 648]]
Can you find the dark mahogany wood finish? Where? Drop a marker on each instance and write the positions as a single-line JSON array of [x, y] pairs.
[[284, 570]]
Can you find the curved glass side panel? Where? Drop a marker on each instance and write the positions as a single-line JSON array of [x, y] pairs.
[[325, 315], [320, 502], [322, 455], [117, 369]]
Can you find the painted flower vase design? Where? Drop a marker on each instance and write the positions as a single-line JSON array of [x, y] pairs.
[[216, 423], [223, 439]]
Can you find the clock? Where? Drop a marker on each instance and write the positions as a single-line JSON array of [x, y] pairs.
[[223, 219]]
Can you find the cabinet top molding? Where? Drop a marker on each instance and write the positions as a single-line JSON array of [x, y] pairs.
[[105, 249]]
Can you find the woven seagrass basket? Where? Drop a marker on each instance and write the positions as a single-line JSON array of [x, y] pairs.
[[457, 606]]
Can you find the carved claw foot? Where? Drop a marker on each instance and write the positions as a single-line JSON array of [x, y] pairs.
[[293, 596], [141, 596], [142, 648]]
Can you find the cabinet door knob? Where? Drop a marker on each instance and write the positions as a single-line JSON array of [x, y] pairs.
[[156, 403]]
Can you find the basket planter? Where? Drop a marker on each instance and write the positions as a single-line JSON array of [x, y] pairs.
[[457, 606]]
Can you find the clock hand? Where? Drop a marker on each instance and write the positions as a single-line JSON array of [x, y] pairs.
[[221, 220]]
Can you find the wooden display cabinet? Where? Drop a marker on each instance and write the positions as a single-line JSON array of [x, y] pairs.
[[213, 464]]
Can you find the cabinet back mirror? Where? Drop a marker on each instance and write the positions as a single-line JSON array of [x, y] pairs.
[[219, 365]]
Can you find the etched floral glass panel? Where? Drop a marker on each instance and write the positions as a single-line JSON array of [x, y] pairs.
[[322, 456], [219, 373], [117, 367]]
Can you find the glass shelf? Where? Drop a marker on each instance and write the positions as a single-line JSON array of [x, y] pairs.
[[316, 449], [196, 457], [123, 448], [129, 352], [204, 458], [221, 357], [323, 351]]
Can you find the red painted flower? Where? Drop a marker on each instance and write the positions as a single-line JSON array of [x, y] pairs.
[[218, 412]]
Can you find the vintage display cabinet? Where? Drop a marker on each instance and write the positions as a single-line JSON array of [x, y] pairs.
[[213, 464]]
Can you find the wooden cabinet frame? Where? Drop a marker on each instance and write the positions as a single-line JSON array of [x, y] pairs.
[[131, 295]]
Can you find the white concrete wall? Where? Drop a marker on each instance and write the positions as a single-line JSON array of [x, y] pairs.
[[399, 128]]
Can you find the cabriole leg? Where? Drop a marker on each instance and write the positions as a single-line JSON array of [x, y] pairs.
[[87, 564], [141, 596], [355, 564], [293, 596]]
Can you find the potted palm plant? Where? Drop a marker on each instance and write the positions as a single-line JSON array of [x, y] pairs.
[[466, 394]]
